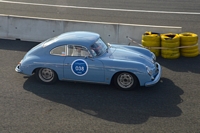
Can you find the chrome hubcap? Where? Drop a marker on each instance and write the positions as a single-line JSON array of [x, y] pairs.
[[125, 80], [46, 74]]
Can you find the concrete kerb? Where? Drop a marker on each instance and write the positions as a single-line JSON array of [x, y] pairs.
[[109, 32], [40, 29], [3, 26]]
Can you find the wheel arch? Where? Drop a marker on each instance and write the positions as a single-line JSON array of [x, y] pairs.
[[58, 75], [113, 77], [35, 69]]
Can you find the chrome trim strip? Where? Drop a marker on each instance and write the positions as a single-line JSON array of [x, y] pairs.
[[70, 80], [46, 63]]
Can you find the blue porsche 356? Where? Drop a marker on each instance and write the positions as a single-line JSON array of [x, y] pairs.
[[84, 56]]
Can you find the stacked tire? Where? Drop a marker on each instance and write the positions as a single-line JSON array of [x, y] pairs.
[[150, 40], [189, 43], [170, 43]]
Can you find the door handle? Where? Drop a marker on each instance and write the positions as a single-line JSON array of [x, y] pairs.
[[66, 64]]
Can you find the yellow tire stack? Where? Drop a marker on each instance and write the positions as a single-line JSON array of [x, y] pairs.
[[170, 43], [150, 39], [190, 42]]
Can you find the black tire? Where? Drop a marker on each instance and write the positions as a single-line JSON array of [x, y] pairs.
[[46, 75], [126, 81]]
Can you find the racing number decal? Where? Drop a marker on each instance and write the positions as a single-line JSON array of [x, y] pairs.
[[79, 67]]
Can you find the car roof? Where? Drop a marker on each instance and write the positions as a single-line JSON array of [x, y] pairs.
[[84, 38]]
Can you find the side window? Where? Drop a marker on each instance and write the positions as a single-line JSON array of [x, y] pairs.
[[79, 51], [60, 51], [70, 50]]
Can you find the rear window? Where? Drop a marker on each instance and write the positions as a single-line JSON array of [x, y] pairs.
[[61, 51]]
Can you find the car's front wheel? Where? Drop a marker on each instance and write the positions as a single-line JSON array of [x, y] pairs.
[[125, 81], [46, 75]]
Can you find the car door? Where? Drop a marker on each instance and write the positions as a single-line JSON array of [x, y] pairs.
[[80, 67]]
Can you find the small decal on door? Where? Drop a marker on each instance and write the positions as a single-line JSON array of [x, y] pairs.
[[79, 67]]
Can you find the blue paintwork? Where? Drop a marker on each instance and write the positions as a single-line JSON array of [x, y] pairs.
[[101, 69]]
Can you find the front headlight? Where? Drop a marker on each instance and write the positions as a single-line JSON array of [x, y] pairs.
[[150, 72]]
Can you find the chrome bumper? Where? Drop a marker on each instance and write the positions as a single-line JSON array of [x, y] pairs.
[[17, 69], [157, 78]]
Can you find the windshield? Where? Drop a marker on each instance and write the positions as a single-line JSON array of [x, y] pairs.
[[99, 47]]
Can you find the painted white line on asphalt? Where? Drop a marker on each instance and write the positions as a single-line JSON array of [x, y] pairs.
[[105, 9]]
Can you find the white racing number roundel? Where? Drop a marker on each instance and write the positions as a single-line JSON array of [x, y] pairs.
[[79, 67]]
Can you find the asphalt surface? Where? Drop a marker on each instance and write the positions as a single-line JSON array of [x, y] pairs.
[[29, 106], [170, 106], [184, 14]]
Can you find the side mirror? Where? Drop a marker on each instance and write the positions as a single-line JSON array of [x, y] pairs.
[[93, 52], [89, 57]]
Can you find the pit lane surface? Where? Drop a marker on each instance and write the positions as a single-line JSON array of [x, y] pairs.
[[28, 106], [170, 106]]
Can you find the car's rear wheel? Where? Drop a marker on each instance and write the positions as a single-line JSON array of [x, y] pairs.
[[125, 81], [46, 75]]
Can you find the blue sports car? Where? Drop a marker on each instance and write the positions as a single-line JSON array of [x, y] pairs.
[[84, 56]]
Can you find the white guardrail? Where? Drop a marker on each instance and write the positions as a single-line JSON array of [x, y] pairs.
[[40, 29]]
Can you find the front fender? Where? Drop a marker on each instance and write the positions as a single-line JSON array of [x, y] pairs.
[[136, 68]]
